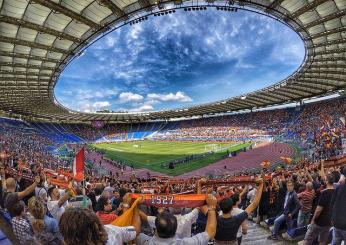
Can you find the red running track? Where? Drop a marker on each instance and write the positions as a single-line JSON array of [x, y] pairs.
[[246, 160]]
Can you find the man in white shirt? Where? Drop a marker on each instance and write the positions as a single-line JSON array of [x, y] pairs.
[[119, 235], [166, 226], [56, 205], [184, 221], [251, 194], [109, 189]]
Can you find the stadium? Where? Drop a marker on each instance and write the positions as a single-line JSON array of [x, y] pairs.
[[172, 122]]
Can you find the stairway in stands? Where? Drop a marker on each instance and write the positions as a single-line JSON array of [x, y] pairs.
[[257, 235]]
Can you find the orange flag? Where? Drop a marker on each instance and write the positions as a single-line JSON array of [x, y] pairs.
[[265, 164], [287, 160], [126, 218]]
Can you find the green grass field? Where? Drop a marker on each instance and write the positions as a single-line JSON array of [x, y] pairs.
[[153, 154]]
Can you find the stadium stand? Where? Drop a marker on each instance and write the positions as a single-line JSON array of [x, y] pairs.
[[26, 152]]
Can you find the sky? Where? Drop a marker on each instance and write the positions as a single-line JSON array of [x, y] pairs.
[[179, 60]]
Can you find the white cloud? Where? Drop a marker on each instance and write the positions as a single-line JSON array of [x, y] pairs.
[[129, 96], [241, 65], [144, 107], [110, 41], [100, 104], [178, 96], [88, 94], [86, 106], [135, 31]]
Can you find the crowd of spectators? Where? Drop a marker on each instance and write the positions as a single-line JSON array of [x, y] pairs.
[[318, 127], [246, 126], [304, 194], [20, 145], [44, 214], [89, 133]]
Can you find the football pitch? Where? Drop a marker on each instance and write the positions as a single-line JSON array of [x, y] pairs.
[[155, 155]]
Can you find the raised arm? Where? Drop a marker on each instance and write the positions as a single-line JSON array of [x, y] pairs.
[[257, 198], [143, 215], [211, 213], [136, 221], [245, 190], [309, 176], [199, 185], [62, 200], [3, 179], [322, 172], [126, 204], [29, 189]]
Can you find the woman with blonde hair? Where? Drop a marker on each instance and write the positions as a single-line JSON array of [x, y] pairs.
[[45, 228]]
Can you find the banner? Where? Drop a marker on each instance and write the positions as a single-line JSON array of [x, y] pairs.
[[175, 200], [239, 180], [98, 124]]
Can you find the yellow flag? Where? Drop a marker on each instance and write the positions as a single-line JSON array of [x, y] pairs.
[[126, 218]]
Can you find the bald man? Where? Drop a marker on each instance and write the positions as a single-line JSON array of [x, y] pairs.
[[306, 199], [184, 221], [10, 195]]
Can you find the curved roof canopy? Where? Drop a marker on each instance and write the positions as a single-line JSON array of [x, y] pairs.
[[38, 38]]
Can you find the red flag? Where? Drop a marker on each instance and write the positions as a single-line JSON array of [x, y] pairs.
[[78, 165]]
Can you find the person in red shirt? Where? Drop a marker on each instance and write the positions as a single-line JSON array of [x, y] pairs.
[[306, 198], [104, 212]]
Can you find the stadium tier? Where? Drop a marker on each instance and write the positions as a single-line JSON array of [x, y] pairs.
[[227, 152], [316, 128]]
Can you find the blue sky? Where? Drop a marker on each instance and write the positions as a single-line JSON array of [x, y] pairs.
[[179, 60]]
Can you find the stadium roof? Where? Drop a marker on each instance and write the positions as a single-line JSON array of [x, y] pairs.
[[38, 38]]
